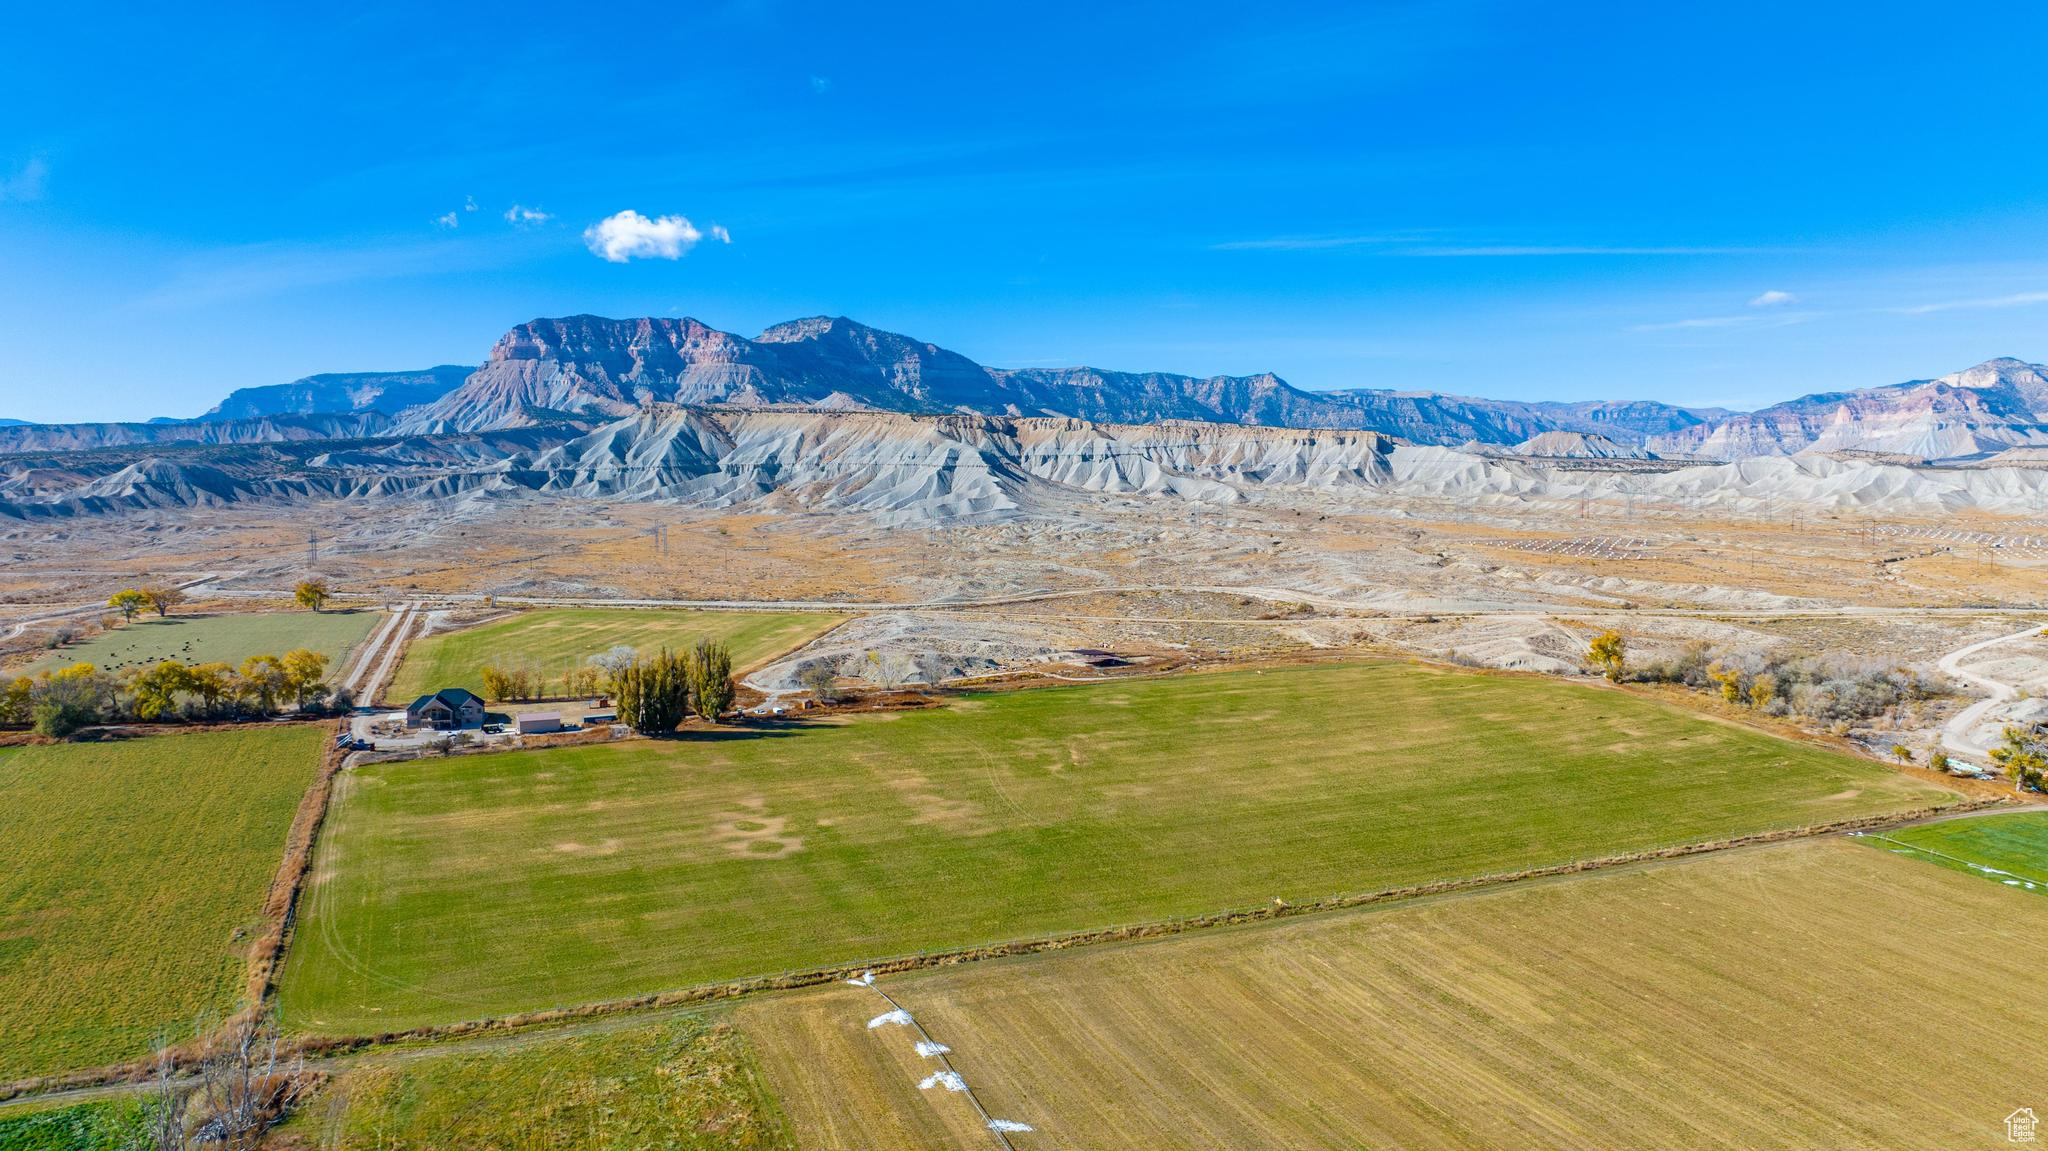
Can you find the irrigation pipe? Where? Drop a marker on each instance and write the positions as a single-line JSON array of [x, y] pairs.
[[1983, 867], [940, 1050]]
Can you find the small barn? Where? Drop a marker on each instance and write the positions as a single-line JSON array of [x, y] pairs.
[[450, 709]]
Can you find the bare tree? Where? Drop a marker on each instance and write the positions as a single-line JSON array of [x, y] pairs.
[[887, 670], [820, 679], [243, 1089], [167, 1102]]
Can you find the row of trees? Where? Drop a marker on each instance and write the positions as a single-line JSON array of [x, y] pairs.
[[60, 703], [654, 694], [131, 602], [522, 683], [161, 598]]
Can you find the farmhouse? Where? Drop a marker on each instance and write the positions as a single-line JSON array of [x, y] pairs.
[[450, 709]]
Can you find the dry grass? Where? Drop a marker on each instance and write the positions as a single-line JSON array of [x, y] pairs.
[[1772, 997]]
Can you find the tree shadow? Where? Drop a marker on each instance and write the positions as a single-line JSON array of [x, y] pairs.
[[730, 732]]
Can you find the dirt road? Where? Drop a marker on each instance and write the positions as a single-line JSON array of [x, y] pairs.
[[1959, 735]]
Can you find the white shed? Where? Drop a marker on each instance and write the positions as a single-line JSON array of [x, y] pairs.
[[537, 722]]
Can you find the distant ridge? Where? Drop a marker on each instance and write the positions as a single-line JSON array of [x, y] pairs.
[[594, 366], [587, 370], [343, 393]]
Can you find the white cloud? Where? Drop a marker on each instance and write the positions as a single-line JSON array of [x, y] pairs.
[[522, 216], [1775, 320], [1773, 298], [1305, 243], [450, 220], [1424, 245], [2016, 300], [469, 203], [1568, 250], [26, 184], [821, 84], [628, 235]]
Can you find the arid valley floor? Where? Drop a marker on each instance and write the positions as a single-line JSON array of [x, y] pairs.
[[1445, 863]]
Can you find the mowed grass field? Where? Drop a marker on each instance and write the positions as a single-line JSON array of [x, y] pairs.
[[679, 1085], [2009, 849], [111, 1125], [557, 640], [479, 886], [1812, 994], [207, 638], [130, 870]]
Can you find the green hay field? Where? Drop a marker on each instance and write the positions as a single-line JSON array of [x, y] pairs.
[[680, 1085], [2008, 849], [557, 640], [207, 638], [134, 874], [478, 886], [110, 1125]]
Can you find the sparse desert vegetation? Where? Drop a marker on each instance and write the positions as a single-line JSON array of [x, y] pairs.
[[551, 642], [134, 881], [476, 887], [1755, 998]]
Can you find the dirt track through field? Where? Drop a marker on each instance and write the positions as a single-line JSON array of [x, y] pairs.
[[1955, 735]]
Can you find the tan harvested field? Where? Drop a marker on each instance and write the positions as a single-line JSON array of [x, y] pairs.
[[1816, 994]]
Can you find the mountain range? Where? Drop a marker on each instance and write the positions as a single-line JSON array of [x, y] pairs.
[[341, 392], [582, 371]]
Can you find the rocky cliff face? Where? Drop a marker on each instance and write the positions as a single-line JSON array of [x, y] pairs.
[[581, 371], [610, 368], [278, 429], [341, 392], [1980, 411]]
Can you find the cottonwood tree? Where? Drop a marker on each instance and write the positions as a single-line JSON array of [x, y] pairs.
[[711, 684], [157, 690], [163, 597], [2023, 756], [311, 594], [263, 680], [212, 683], [63, 702], [129, 602], [1609, 653], [305, 674]]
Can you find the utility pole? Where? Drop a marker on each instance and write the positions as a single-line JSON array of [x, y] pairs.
[[312, 550]]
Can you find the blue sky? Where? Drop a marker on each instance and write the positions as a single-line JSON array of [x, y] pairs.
[[1710, 204]]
